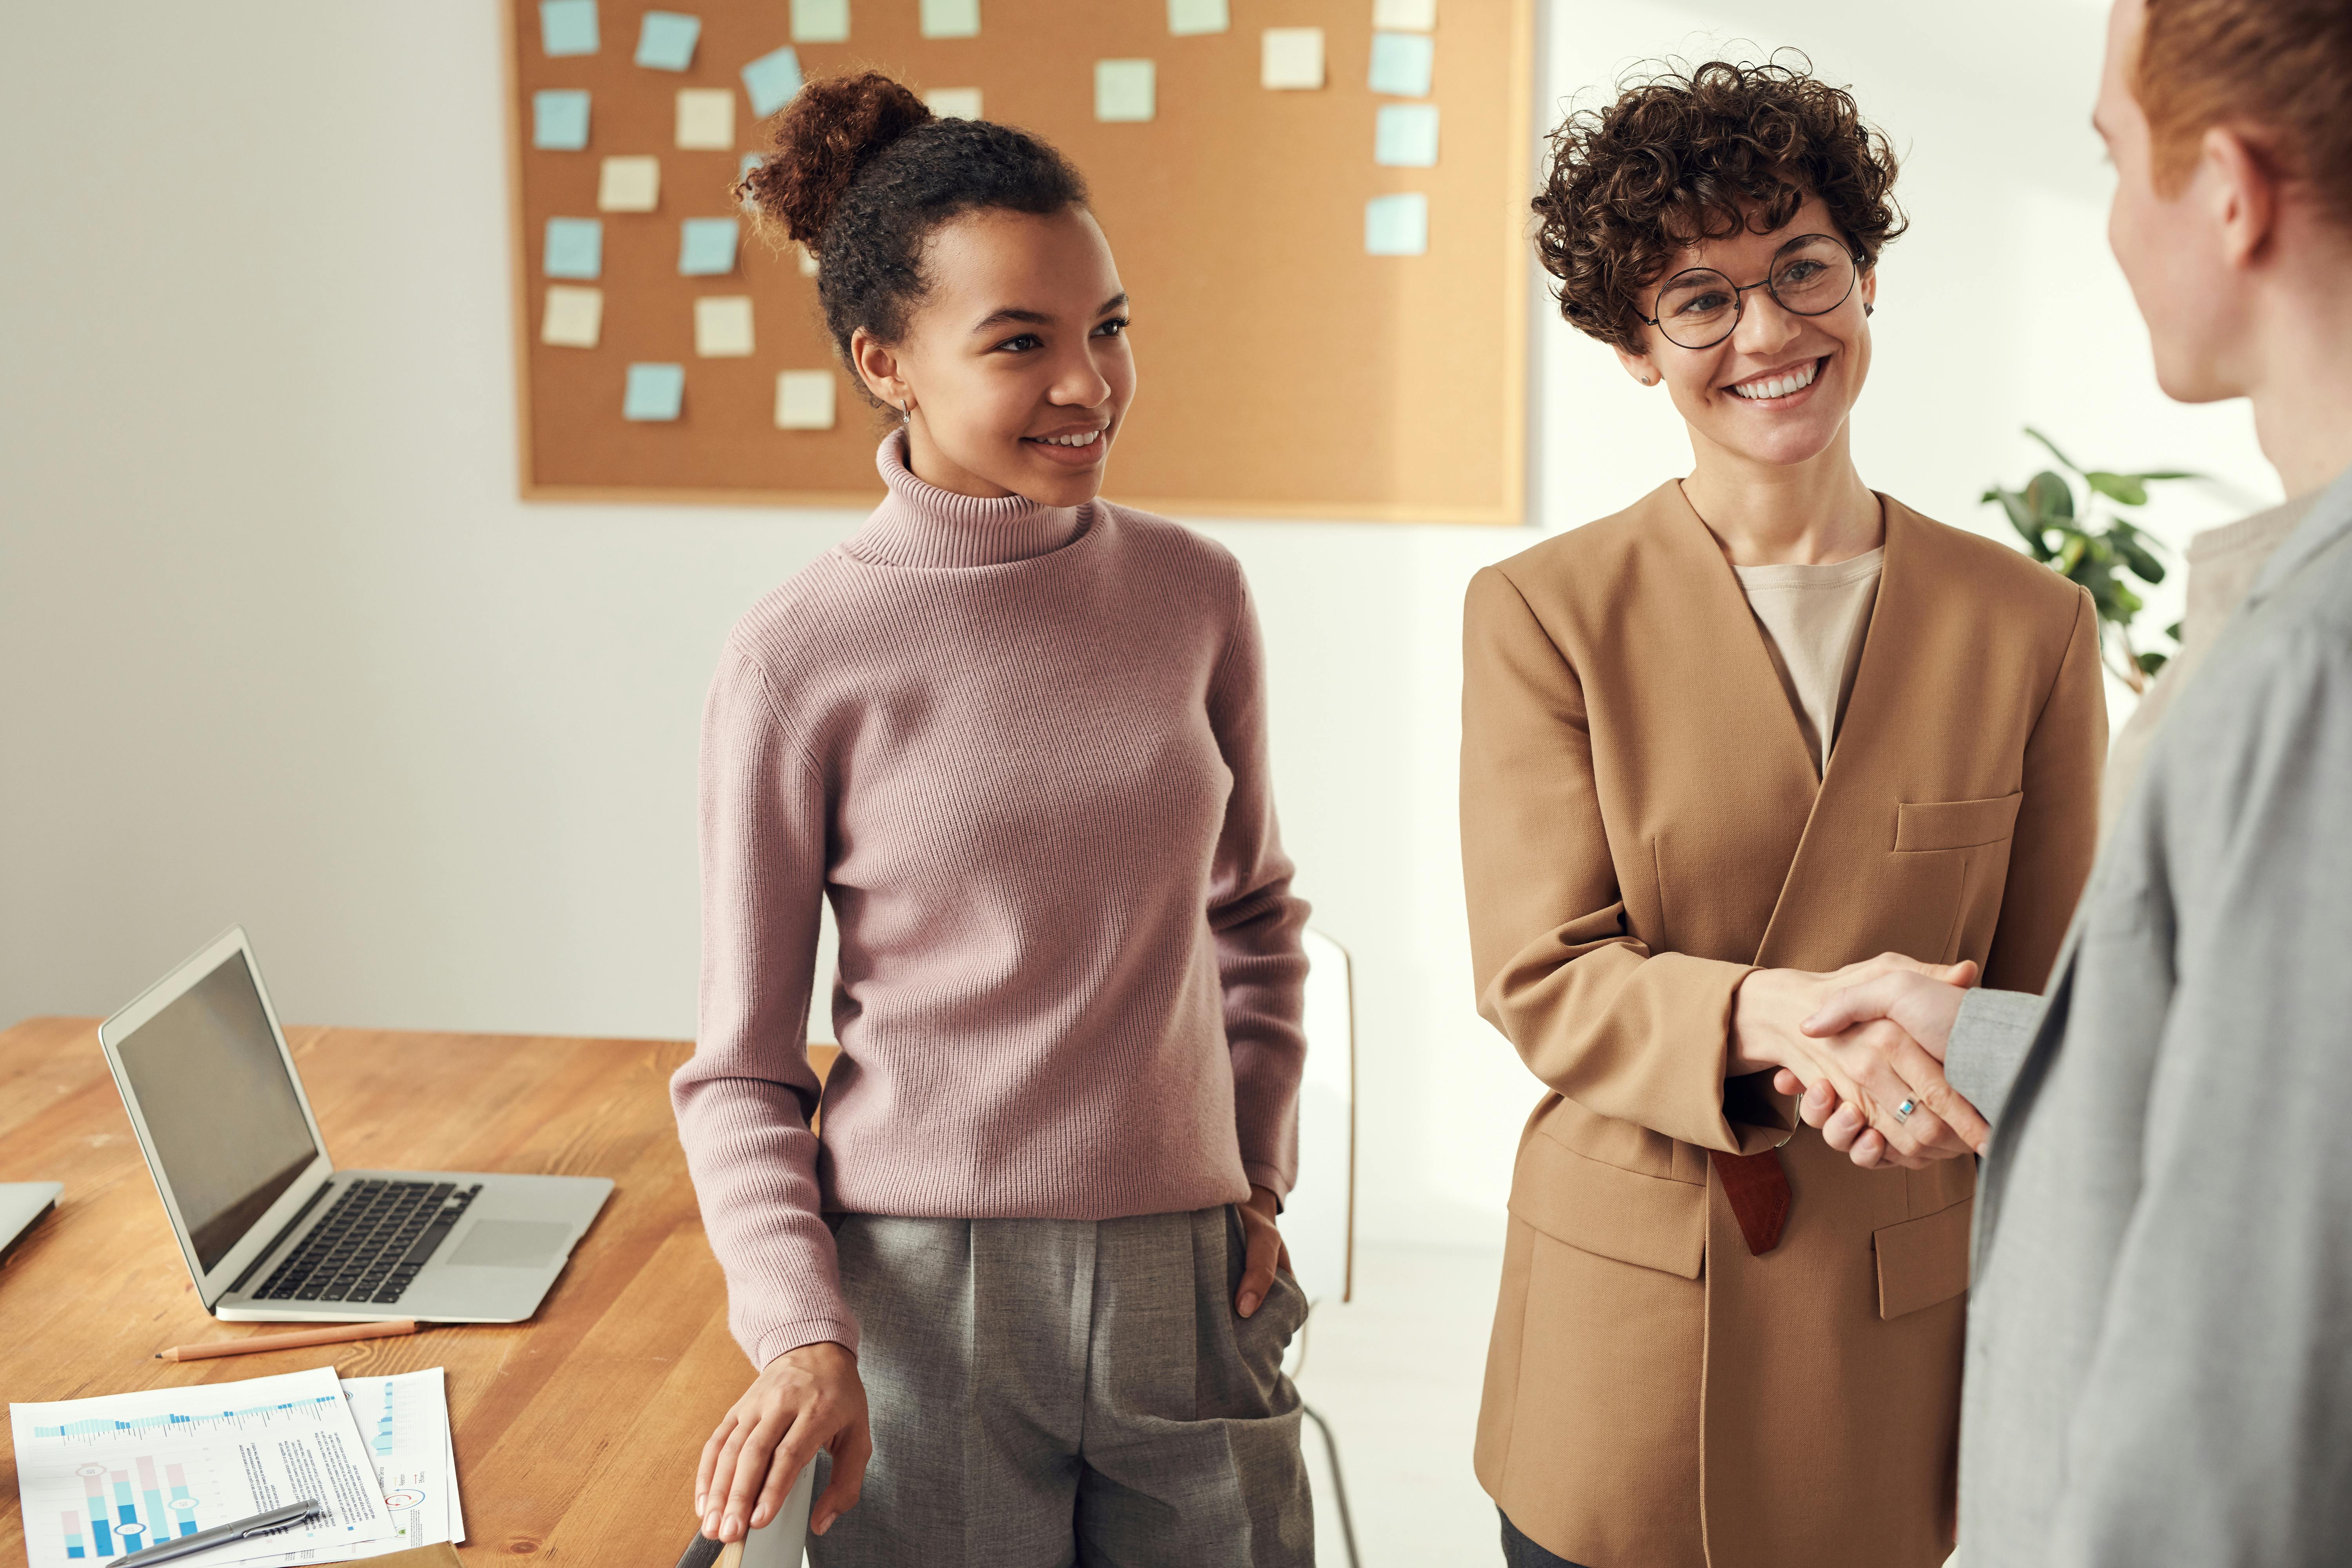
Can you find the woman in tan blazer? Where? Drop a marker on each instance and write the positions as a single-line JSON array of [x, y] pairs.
[[1763, 724]]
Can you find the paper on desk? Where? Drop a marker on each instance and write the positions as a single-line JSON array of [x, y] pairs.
[[405, 1419], [103, 1477]]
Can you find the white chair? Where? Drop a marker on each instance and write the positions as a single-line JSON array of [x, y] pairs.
[[1319, 1218]]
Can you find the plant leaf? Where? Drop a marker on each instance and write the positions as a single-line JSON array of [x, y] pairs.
[[2021, 517], [2063, 460], [2173, 631], [2170, 474], [2124, 488], [2051, 497], [2149, 663], [2143, 566], [2070, 554]]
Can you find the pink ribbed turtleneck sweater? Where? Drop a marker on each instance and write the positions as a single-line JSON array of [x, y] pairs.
[[1021, 750]]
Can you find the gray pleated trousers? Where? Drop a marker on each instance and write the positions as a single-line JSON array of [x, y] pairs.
[[1047, 1392]]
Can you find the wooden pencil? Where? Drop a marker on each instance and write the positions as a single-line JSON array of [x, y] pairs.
[[332, 1334]]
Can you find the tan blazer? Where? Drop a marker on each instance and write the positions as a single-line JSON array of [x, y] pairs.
[[1640, 826]]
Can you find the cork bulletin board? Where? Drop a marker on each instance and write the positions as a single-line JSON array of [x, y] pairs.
[[1328, 280]]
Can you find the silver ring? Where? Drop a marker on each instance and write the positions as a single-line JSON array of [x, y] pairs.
[[1903, 1111]]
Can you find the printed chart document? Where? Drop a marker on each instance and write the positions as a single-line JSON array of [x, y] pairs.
[[405, 1421], [101, 1478]]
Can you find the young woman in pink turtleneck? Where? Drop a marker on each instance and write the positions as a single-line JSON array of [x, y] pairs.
[[1026, 1292]]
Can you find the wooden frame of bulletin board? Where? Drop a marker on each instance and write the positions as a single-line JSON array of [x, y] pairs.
[[1283, 371]]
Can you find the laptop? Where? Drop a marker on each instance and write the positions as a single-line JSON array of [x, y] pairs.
[[271, 1230]]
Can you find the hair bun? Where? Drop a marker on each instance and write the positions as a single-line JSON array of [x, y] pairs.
[[833, 128]]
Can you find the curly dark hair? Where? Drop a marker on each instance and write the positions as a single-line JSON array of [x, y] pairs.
[[1683, 156], [862, 172]]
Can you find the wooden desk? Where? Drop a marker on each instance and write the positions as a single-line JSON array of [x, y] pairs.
[[576, 1433]]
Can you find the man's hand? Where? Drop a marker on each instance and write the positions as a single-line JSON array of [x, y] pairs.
[[1267, 1251], [1872, 1069], [805, 1400], [1906, 1017]]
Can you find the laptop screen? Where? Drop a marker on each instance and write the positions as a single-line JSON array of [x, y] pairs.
[[227, 1126]]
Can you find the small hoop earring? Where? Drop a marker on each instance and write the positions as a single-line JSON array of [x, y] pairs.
[[907, 412]]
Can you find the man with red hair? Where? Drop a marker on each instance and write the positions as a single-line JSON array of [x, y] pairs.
[[2159, 1357]]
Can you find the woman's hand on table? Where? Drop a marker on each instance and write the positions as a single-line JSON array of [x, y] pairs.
[[1869, 1069], [805, 1400], [1267, 1251]]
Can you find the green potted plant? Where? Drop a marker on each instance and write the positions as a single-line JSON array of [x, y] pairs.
[[2101, 553]]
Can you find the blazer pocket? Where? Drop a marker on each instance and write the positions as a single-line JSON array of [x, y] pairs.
[[1651, 1222], [1955, 824], [1923, 1261]]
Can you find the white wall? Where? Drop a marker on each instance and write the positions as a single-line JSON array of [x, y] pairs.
[[436, 748]]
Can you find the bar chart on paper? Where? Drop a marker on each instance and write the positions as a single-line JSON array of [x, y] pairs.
[[116, 1474]]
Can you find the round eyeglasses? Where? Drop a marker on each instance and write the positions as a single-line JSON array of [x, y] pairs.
[[1810, 276]]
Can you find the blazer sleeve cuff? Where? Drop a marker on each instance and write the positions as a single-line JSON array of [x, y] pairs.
[[1990, 1037]]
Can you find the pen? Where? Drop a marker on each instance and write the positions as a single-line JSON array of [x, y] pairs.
[[221, 1534], [334, 1334]]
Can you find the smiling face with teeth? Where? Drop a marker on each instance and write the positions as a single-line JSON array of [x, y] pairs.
[[1015, 360], [1778, 390]]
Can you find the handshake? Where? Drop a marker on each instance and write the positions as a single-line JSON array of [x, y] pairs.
[[1864, 1048]]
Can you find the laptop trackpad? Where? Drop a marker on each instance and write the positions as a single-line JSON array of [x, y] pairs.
[[513, 1243]]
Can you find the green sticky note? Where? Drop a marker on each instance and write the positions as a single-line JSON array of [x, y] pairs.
[[665, 40], [772, 79], [706, 247], [950, 18], [575, 248], [1405, 136], [1402, 63], [1190, 18], [559, 121], [819, 21], [567, 26], [1397, 226], [654, 392], [1125, 89]]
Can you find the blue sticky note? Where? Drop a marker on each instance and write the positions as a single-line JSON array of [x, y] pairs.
[[567, 26], [706, 247], [1401, 63], [559, 121], [1397, 226], [665, 40], [772, 80], [575, 248], [656, 392], [1405, 136]]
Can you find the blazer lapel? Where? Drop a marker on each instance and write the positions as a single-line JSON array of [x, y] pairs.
[[1868, 723], [1724, 781], [1733, 640]]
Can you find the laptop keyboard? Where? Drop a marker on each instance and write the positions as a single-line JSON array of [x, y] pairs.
[[372, 1241]]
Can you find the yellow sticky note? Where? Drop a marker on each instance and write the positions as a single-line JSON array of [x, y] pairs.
[[722, 326], [574, 318], [950, 18], [629, 185], [1404, 15], [805, 400], [954, 102], [705, 118], [1290, 59]]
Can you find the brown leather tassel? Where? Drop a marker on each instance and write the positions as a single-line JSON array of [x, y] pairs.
[[1759, 1190]]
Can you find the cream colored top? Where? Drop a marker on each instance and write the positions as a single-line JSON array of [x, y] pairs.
[[1815, 620]]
